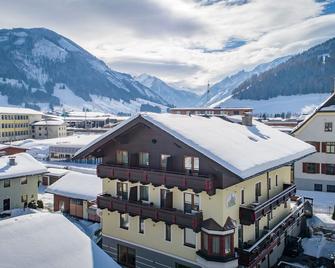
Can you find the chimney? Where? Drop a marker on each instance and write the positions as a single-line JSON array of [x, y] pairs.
[[247, 119], [12, 161]]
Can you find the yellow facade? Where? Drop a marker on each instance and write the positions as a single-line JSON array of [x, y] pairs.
[[225, 203], [16, 126]]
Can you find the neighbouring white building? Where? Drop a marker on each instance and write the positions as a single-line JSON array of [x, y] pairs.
[[19, 177], [317, 171], [49, 129]]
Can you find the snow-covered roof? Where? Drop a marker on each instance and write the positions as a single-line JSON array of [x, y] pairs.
[[327, 106], [48, 240], [49, 123], [244, 150], [57, 171], [77, 185], [18, 110], [25, 165], [71, 141]]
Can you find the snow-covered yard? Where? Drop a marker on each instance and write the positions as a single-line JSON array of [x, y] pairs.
[[48, 199]]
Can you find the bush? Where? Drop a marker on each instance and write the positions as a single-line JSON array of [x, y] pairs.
[[333, 216], [40, 204], [32, 204]]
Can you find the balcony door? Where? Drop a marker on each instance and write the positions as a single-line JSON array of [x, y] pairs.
[[166, 199]]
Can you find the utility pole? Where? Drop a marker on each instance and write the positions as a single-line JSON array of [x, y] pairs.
[[207, 91]]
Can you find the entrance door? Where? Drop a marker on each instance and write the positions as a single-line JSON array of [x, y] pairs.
[[6, 204]]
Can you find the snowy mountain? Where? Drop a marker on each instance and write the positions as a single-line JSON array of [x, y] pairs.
[[223, 90], [176, 97], [310, 72], [40, 68]]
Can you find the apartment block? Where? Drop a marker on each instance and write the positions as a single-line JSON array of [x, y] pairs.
[[191, 191], [317, 172], [15, 123]]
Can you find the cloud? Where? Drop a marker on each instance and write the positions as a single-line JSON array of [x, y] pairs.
[[187, 42], [138, 66]]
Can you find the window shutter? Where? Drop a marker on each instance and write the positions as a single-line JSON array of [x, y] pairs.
[[304, 167], [323, 168], [324, 147]]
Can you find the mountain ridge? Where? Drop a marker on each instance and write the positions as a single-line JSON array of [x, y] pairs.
[[37, 62]]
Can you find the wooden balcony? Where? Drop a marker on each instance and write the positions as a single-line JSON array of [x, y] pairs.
[[249, 214], [169, 179], [253, 255], [169, 216]]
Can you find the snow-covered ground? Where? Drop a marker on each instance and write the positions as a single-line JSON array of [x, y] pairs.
[[294, 104], [319, 246], [48, 199], [322, 201]]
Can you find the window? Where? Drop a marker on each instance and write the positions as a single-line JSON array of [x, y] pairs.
[[256, 229], [331, 188], [191, 163], [23, 180], [144, 159], [167, 232], [227, 245], [328, 127], [144, 193], [242, 196], [318, 187], [124, 221], [126, 256], [312, 168], [269, 181], [141, 225], [122, 190], [6, 183], [205, 242], [189, 237], [276, 180], [216, 245], [258, 191], [164, 161], [24, 198], [122, 157], [328, 169], [330, 147], [191, 202]]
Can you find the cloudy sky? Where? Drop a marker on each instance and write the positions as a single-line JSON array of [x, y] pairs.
[[184, 42]]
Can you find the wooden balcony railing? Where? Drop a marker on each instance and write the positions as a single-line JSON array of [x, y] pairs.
[[249, 214], [253, 255], [169, 179], [169, 216]]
